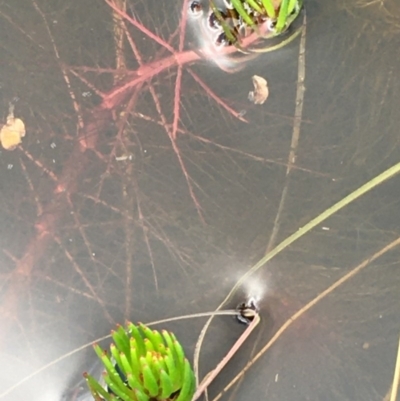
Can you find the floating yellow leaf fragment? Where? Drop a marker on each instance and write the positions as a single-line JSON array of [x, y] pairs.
[[13, 131], [261, 92]]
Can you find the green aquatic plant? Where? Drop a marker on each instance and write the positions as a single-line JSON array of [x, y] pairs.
[[263, 17], [143, 365]]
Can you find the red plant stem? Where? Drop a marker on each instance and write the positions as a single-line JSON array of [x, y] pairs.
[[45, 228], [140, 27], [145, 73], [47, 222], [148, 71], [213, 374], [178, 81]]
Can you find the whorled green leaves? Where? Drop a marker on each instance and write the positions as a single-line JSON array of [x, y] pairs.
[[288, 12], [143, 365], [260, 16]]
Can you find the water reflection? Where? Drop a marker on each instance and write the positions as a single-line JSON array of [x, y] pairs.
[[90, 239]]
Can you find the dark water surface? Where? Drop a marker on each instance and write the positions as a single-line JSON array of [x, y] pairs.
[[111, 220]]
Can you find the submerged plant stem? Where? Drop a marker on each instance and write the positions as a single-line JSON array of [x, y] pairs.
[[307, 307], [396, 377], [387, 174], [229, 312], [213, 374], [298, 113]]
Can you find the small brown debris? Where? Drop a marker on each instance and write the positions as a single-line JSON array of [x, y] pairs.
[[12, 132], [261, 92]]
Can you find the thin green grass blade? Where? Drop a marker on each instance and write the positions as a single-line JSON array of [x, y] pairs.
[[188, 379], [134, 360], [125, 365], [156, 367], [134, 383], [294, 12], [137, 336], [167, 387], [278, 46], [291, 6], [148, 345], [227, 29], [237, 4], [269, 8], [112, 373], [173, 372], [255, 6], [123, 339], [282, 16], [120, 391], [379, 179], [116, 355], [140, 396], [159, 340], [151, 336], [149, 380], [96, 389]]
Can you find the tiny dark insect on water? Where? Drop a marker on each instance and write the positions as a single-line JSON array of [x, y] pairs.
[[247, 311]]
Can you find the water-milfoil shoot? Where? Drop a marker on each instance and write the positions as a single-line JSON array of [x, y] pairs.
[[240, 18], [143, 365]]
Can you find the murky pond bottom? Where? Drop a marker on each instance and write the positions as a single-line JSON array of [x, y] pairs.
[[144, 188]]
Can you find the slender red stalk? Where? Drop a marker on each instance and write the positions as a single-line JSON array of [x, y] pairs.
[[214, 373]]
